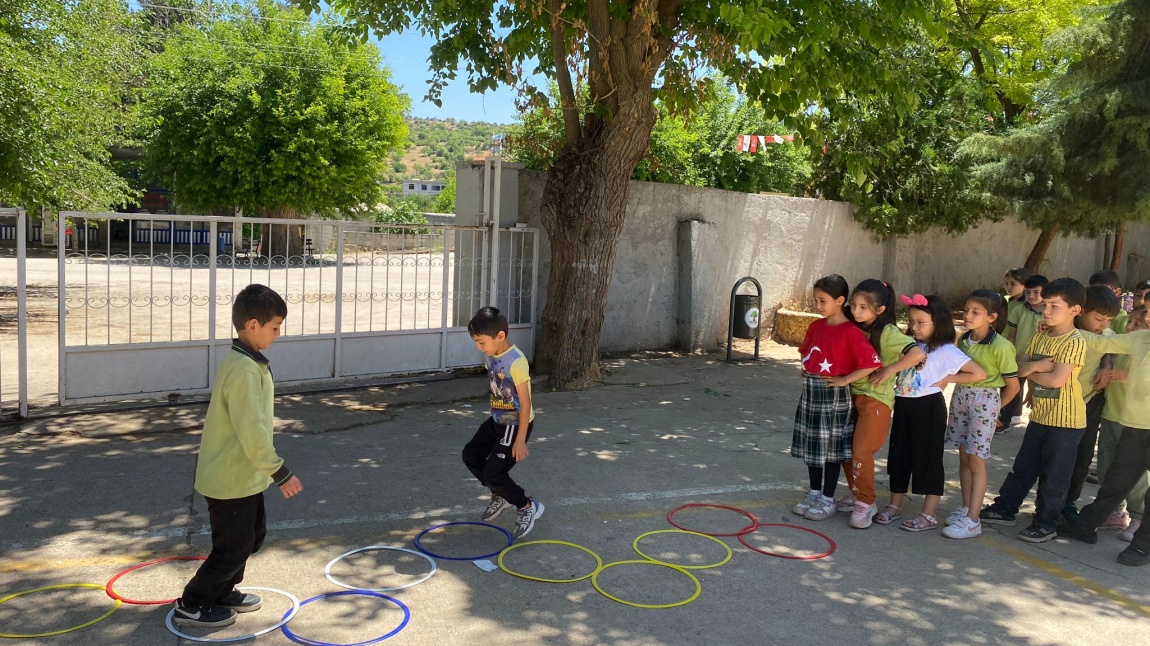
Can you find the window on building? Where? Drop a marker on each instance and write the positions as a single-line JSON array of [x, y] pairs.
[[411, 187], [423, 187]]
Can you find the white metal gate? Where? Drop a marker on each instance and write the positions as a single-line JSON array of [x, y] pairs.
[[145, 300], [14, 317]]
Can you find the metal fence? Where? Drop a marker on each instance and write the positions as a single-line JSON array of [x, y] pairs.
[[14, 319], [145, 300]]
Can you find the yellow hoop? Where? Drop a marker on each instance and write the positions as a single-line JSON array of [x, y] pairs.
[[640, 537], [66, 630], [598, 561], [698, 586]]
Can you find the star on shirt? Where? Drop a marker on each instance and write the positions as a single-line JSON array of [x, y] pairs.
[[825, 366]]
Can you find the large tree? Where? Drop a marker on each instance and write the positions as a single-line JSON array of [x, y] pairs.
[[66, 69], [627, 54], [266, 111]]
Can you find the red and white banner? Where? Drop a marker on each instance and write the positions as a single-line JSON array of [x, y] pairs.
[[751, 143]]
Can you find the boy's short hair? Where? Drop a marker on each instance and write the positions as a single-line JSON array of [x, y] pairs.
[[258, 302], [1069, 290], [1037, 280], [1101, 299], [488, 321], [1107, 278], [1142, 284]]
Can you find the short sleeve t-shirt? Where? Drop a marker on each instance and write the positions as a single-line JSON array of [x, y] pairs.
[[505, 372], [892, 345], [919, 381], [994, 354], [1090, 369], [836, 350], [1063, 407], [1025, 322]]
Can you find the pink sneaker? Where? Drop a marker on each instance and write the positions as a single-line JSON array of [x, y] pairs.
[[1128, 533], [1116, 520]]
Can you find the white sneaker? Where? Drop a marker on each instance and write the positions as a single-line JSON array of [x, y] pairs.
[[823, 509], [846, 503], [964, 528], [862, 514], [525, 518], [1128, 533], [812, 497], [955, 515]]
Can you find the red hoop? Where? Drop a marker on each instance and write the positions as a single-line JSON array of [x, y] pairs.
[[749, 528], [115, 595], [742, 539]]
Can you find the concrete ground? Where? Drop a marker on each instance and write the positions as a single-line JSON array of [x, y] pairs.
[[85, 496]]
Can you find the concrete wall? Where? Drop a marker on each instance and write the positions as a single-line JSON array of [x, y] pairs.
[[683, 247]]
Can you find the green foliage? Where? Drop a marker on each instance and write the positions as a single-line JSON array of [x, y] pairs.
[[65, 71], [271, 114], [445, 201], [444, 142]]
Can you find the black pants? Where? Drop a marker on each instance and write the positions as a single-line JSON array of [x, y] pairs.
[[917, 443], [239, 526], [1086, 448], [488, 457], [1046, 456], [1131, 460], [1014, 408]]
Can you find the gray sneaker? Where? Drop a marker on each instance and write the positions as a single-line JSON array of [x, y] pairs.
[[805, 504], [525, 518], [823, 509], [241, 601], [495, 507]]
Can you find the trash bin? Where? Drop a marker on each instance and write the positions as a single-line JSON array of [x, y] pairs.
[[746, 316]]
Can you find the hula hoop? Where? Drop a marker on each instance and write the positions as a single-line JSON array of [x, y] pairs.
[[598, 562], [327, 570], [283, 622], [118, 597], [366, 593], [698, 586], [66, 630], [419, 546], [640, 537], [746, 530], [742, 539]]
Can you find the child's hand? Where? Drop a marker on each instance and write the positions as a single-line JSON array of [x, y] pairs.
[[1045, 364], [291, 487], [879, 376], [1102, 380], [519, 450], [837, 382], [1118, 376], [941, 383]]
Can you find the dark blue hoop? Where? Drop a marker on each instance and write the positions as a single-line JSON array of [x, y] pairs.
[[364, 593], [419, 546]]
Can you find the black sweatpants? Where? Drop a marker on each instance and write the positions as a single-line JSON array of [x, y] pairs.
[[488, 457], [1086, 448], [239, 526], [1131, 460], [917, 443], [1014, 408], [1046, 456]]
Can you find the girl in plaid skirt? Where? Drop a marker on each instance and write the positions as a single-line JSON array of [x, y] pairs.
[[835, 353]]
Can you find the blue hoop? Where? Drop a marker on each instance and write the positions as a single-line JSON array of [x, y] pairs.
[[419, 546], [365, 593]]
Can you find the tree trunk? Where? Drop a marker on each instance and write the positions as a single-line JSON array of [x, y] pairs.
[[1041, 246], [584, 204], [279, 242], [1119, 241]]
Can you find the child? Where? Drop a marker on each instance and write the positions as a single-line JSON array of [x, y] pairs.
[[1055, 356], [1111, 281], [835, 354], [1114, 381], [1022, 324], [237, 462], [1140, 291], [1014, 286], [510, 424], [974, 407], [1101, 306], [1131, 456], [873, 310], [918, 434]]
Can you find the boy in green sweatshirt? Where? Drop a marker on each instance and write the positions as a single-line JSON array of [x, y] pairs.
[[236, 464]]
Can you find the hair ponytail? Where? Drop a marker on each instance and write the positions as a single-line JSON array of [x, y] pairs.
[[878, 294]]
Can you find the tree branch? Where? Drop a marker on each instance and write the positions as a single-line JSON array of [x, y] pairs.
[[568, 103]]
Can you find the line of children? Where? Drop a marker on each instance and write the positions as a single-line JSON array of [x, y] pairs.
[[1022, 324], [1014, 287]]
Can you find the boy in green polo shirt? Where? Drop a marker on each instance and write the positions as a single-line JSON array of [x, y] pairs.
[[1021, 326], [1110, 280], [237, 462]]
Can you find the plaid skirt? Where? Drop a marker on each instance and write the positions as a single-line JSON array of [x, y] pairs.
[[824, 429]]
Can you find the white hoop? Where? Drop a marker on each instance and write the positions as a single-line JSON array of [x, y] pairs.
[[327, 570], [288, 617]]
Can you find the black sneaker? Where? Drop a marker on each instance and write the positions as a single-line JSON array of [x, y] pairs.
[[991, 516], [1037, 534], [1135, 556], [189, 616], [1079, 533], [240, 601]]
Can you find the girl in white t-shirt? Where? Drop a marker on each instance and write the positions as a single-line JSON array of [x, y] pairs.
[[918, 428]]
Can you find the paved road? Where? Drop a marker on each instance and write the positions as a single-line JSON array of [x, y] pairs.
[[83, 497]]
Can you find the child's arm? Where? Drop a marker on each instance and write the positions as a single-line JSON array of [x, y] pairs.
[[847, 380], [909, 359], [969, 373], [254, 431], [1055, 378], [1010, 390], [1028, 368], [519, 448]]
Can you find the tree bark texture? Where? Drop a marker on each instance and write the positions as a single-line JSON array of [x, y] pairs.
[[1041, 246], [281, 240], [1119, 242]]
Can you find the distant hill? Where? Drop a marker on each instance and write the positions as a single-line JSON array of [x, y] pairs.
[[434, 145]]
